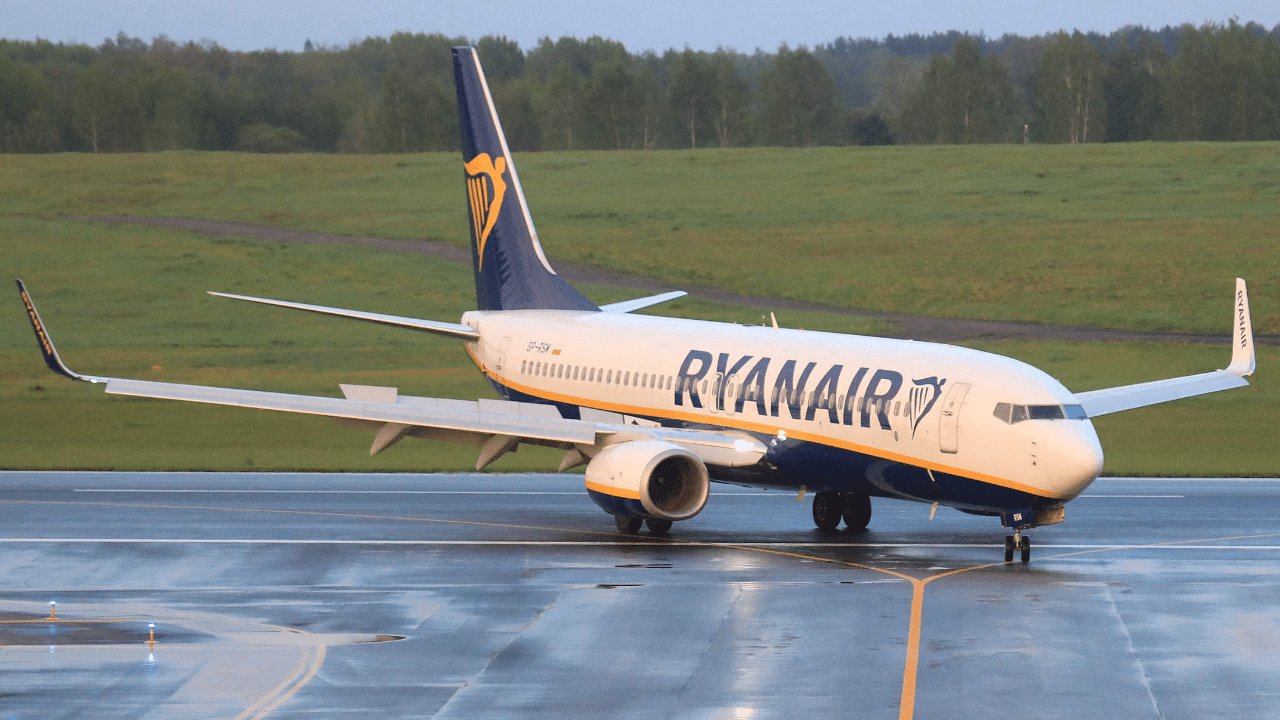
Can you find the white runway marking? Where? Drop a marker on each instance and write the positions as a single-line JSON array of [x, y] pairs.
[[1131, 496], [199, 491], [606, 543]]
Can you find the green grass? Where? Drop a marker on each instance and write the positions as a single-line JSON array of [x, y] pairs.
[[130, 302], [1141, 236], [1149, 236]]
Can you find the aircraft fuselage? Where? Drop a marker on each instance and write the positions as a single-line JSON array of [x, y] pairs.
[[846, 413]]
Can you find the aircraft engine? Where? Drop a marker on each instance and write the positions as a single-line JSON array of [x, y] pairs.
[[650, 479]]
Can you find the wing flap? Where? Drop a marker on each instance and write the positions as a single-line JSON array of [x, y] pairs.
[[411, 414]]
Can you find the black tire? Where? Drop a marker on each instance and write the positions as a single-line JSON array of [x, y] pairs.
[[827, 509], [658, 527], [628, 524], [1025, 547], [1008, 548], [857, 511]]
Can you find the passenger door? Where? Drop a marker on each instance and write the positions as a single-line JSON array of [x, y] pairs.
[[949, 421]]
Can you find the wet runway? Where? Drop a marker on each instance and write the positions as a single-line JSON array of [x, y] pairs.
[[464, 596]]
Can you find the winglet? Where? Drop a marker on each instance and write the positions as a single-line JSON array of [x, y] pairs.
[[46, 344], [1243, 360]]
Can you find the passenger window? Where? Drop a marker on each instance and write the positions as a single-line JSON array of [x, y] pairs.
[[897, 408], [1004, 412], [608, 378]]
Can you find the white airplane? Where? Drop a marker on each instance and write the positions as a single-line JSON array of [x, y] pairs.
[[657, 407]]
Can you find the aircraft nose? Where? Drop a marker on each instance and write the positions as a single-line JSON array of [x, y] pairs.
[[1077, 458]]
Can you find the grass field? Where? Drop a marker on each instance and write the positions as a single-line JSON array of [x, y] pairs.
[[1142, 236]]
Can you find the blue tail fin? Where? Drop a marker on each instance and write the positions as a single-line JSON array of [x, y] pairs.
[[511, 271]]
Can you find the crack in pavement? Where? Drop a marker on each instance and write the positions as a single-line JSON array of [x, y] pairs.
[[915, 327]]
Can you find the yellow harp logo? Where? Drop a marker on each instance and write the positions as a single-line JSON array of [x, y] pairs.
[[485, 188]]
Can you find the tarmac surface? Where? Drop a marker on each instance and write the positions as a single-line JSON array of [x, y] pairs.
[[511, 596]]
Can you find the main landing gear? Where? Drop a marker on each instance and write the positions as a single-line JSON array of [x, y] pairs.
[[630, 525], [829, 508], [1020, 542]]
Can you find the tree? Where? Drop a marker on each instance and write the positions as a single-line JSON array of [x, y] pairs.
[[967, 98], [730, 98], [26, 106], [615, 100], [1134, 90], [691, 91], [562, 105], [801, 107], [503, 60], [1069, 91], [103, 103], [867, 128], [417, 109]]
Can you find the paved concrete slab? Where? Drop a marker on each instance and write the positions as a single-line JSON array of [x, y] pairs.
[[288, 595]]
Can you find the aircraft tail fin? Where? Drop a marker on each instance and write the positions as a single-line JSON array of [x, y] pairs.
[[511, 271]]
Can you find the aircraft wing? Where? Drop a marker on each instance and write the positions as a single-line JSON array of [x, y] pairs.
[[1243, 362], [498, 426]]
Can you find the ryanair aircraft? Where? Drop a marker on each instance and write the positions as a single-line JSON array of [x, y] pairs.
[[656, 407]]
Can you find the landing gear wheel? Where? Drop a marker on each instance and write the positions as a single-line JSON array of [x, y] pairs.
[[827, 509], [1008, 548], [628, 524], [658, 527], [857, 511], [1025, 547]]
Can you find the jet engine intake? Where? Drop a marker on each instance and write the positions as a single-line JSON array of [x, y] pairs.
[[650, 479]]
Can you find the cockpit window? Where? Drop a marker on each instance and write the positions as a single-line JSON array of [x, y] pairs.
[[1012, 414], [1045, 412], [1003, 410]]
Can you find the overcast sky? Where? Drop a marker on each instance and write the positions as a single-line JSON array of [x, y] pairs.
[[743, 25]]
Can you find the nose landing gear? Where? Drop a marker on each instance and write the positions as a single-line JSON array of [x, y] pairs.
[[1017, 541]]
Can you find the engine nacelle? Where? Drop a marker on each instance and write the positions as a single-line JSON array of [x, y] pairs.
[[649, 479]]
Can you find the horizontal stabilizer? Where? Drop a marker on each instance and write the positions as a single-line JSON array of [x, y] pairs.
[[1243, 362], [453, 330], [627, 306]]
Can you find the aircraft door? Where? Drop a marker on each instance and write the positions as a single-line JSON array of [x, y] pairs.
[[502, 354], [949, 420]]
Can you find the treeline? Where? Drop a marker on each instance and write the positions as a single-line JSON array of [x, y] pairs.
[[1212, 82]]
